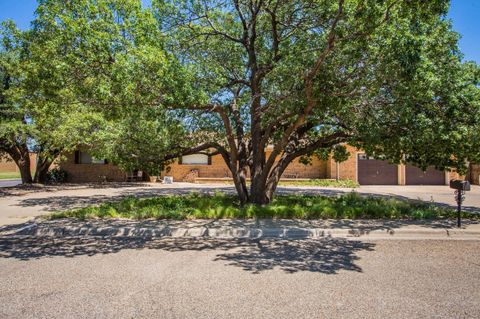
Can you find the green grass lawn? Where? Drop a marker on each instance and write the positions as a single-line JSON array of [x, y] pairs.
[[347, 183], [9, 175], [348, 206]]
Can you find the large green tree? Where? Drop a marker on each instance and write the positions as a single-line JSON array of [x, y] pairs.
[[307, 76], [233, 77]]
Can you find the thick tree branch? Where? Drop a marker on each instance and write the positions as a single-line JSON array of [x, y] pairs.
[[308, 92]]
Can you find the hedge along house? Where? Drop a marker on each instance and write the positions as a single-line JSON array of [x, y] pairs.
[[200, 168]]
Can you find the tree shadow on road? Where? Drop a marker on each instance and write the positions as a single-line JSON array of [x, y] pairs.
[[328, 255]]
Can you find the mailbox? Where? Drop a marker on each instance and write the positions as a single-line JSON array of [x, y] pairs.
[[168, 180], [460, 185]]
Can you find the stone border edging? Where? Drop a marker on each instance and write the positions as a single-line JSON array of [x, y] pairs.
[[243, 232]]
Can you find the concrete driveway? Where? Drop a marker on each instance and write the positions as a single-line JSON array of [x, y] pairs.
[[18, 206]]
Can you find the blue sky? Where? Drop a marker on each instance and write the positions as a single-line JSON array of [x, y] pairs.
[[465, 15]]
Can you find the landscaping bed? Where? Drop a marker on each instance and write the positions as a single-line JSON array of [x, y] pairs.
[[346, 183], [195, 206]]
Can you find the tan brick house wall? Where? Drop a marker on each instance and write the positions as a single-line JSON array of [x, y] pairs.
[[317, 169], [84, 173], [218, 169], [81, 173], [346, 169], [402, 174], [10, 166], [453, 175]]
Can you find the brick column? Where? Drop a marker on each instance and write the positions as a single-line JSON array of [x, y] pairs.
[[402, 177]]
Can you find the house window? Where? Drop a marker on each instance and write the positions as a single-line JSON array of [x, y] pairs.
[[195, 159], [86, 158], [364, 157]]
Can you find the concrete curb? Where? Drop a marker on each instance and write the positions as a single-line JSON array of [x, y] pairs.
[[245, 232]]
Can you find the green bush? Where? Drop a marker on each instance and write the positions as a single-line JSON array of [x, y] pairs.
[[56, 176], [195, 206]]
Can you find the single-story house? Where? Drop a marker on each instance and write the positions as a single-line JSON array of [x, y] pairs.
[[81, 167]]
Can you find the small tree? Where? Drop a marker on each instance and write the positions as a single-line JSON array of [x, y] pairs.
[[14, 127], [105, 60], [37, 109]]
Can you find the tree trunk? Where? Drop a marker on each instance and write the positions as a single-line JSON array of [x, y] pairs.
[[41, 171], [43, 165], [262, 193], [240, 183], [263, 189], [21, 157], [258, 192], [241, 188], [25, 173]]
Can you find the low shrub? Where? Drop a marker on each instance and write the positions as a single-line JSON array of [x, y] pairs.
[[56, 176], [195, 206]]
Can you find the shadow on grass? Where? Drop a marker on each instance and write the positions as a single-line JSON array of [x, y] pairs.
[[53, 203], [327, 255]]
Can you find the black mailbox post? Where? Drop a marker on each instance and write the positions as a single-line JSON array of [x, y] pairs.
[[460, 188]]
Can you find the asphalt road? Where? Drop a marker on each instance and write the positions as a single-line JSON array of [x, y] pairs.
[[329, 278]]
